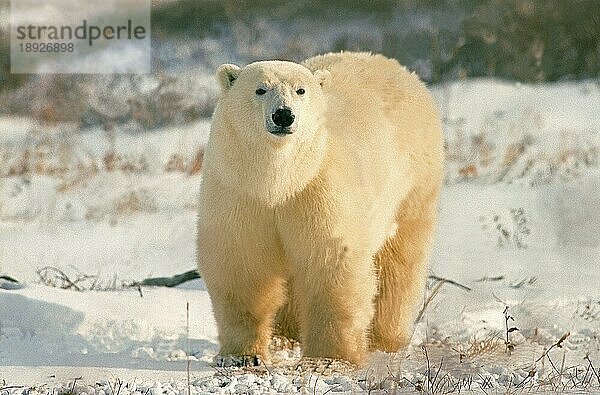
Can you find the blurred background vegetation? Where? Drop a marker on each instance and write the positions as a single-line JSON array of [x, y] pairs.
[[525, 40], [522, 40]]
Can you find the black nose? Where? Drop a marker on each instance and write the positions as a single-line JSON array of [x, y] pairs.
[[283, 117]]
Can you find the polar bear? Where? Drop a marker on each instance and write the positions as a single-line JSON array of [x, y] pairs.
[[317, 205]]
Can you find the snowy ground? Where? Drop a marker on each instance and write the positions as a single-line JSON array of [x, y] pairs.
[[519, 220]]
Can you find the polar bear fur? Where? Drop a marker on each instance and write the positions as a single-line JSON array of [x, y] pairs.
[[321, 234]]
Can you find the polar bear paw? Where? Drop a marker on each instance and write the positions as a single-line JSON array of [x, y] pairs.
[[238, 361]]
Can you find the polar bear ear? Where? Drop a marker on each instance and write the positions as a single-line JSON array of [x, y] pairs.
[[227, 74], [323, 77]]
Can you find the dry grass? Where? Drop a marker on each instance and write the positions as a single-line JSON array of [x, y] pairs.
[[57, 152], [476, 348], [189, 165], [49, 162], [129, 203], [445, 367], [57, 278], [433, 289], [71, 181], [55, 158], [74, 280], [485, 158], [134, 202], [113, 161], [176, 163], [196, 163]]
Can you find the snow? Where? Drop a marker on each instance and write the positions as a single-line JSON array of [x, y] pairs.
[[518, 225]]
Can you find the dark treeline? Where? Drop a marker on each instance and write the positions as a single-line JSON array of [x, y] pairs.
[[525, 40]]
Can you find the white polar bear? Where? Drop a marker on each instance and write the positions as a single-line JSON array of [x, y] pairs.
[[317, 205]]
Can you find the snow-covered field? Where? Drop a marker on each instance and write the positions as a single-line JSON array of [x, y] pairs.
[[519, 226]]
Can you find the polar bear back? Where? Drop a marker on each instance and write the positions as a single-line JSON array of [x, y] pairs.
[[376, 104]]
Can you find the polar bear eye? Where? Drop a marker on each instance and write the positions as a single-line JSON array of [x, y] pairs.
[[260, 91], [301, 91]]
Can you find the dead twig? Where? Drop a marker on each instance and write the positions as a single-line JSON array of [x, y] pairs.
[[187, 337], [436, 288], [446, 280], [557, 344], [587, 358], [509, 345], [428, 368], [9, 279], [55, 277], [486, 278], [531, 375], [171, 281]]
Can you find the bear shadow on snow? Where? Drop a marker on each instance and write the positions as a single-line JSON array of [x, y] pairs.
[[38, 333]]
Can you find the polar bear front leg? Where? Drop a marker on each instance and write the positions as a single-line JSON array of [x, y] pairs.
[[244, 310], [240, 262], [335, 288]]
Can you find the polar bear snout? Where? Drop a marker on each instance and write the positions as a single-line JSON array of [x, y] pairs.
[[283, 117]]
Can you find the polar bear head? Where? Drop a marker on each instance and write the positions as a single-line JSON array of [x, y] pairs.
[[267, 135], [272, 101]]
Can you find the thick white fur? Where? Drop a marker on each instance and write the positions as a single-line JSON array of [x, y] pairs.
[[321, 234]]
